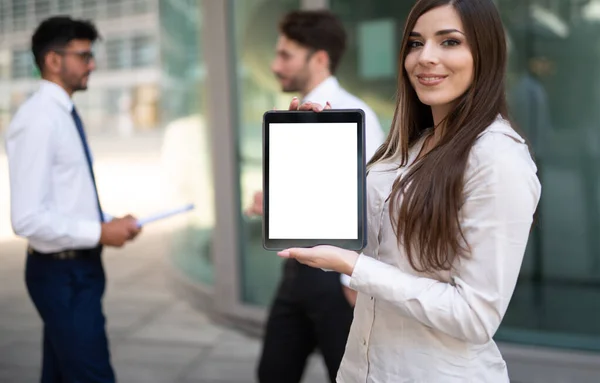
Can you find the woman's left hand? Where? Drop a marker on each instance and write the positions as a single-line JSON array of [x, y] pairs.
[[324, 257]]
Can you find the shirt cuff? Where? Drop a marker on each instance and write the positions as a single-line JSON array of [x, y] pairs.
[[345, 280], [357, 273], [88, 234]]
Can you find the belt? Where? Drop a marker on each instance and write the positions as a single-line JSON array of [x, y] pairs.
[[67, 254]]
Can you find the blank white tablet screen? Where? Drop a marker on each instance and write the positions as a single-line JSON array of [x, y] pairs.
[[313, 185]]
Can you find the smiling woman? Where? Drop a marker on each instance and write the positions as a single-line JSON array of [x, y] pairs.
[[439, 62], [451, 198]]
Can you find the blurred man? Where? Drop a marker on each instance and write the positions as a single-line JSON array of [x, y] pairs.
[[311, 309], [55, 206]]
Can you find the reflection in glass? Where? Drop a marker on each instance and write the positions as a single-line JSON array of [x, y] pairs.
[[256, 33], [185, 150], [554, 93]]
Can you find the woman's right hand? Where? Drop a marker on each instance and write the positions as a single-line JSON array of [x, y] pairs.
[[315, 107]]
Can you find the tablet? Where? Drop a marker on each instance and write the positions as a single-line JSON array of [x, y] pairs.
[[314, 179]]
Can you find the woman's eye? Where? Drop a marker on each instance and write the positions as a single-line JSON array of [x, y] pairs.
[[451, 43], [414, 44]]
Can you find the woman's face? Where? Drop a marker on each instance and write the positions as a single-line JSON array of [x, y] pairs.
[[439, 62]]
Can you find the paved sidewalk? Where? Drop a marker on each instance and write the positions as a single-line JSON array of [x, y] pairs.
[[155, 336]]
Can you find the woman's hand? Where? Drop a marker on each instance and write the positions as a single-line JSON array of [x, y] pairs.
[[315, 107], [324, 257]]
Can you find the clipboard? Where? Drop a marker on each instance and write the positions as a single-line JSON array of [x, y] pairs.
[[164, 214], [314, 179]]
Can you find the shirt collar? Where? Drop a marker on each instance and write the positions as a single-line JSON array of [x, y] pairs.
[[325, 91], [57, 93]]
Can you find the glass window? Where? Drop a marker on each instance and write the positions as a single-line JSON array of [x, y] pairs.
[[42, 8], [114, 8], [255, 24], [65, 6], [19, 11], [140, 6], [5, 63], [90, 8], [19, 8], [554, 90], [179, 51], [3, 17], [144, 51], [186, 149], [22, 64], [118, 54], [255, 37]]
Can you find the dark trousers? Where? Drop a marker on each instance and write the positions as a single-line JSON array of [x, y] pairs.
[[310, 311], [67, 294]]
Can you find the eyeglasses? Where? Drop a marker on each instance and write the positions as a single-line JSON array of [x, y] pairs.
[[85, 56]]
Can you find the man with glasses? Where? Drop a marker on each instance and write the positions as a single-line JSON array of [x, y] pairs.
[[55, 206]]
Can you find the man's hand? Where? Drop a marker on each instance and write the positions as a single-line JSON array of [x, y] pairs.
[[118, 231], [135, 229], [257, 205], [315, 107]]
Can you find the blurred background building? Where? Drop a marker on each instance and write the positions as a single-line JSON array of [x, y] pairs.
[[175, 110]]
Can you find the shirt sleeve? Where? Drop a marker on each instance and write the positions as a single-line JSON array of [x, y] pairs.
[[502, 194], [345, 280], [30, 147]]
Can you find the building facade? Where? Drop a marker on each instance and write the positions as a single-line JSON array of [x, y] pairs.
[[148, 48]]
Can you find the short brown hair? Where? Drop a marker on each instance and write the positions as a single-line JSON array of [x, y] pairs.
[[316, 30]]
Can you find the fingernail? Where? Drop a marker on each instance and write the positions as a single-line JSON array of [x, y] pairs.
[[284, 254], [294, 98]]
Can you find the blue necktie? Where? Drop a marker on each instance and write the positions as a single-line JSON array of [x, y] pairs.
[[86, 149]]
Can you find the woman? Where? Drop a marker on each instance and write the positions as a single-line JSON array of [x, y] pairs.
[[451, 198]]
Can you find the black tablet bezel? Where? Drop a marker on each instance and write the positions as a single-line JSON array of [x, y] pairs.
[[329, 115]]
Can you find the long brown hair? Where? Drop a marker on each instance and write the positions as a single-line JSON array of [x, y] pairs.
[[428, 198]]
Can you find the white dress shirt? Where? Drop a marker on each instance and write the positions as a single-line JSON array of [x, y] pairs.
[[53, 201], [438, 328], [330, 90]]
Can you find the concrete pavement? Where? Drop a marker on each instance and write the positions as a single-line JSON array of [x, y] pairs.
[[155, 336]]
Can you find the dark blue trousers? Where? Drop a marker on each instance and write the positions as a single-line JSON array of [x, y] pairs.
[[67, 294]]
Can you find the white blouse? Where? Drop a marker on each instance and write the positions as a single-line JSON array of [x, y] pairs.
[[427, 328]]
